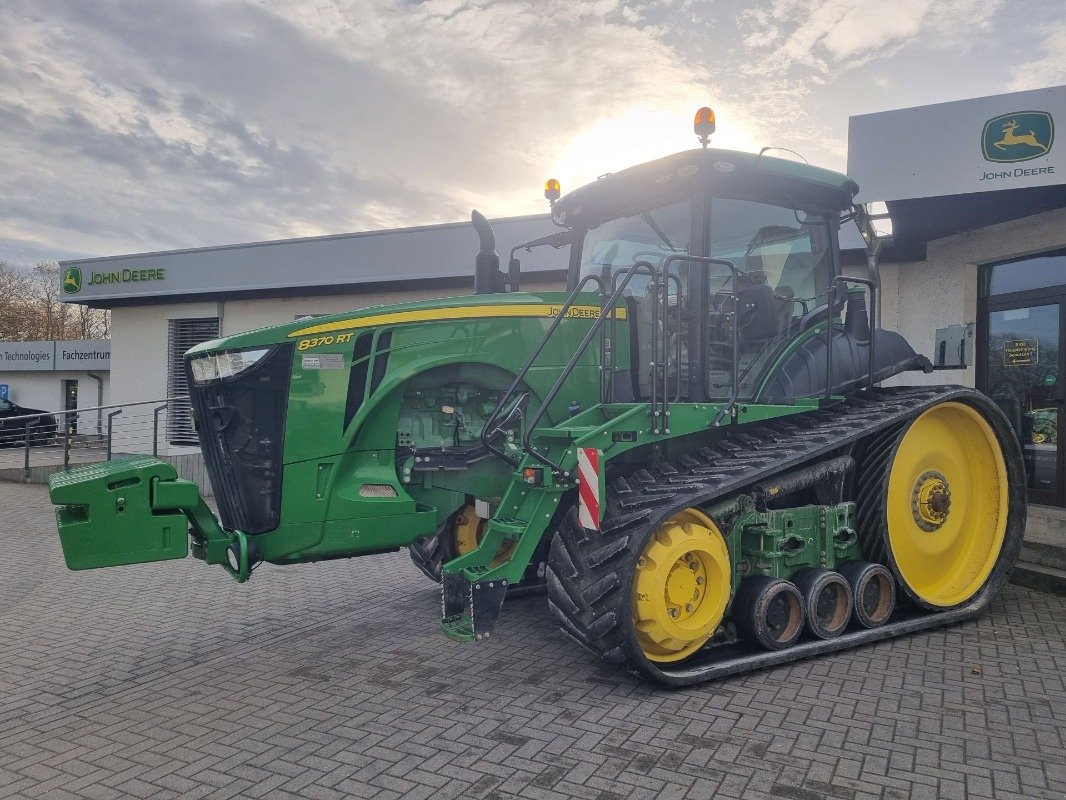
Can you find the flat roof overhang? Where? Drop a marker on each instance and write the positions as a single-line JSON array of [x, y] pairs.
[[918, 221], [405, 259]]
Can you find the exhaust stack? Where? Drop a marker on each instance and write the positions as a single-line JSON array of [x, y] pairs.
[[487, 276]]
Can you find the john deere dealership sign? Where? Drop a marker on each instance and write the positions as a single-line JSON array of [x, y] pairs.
[[980, 145], [72, 277], [1018, 136]]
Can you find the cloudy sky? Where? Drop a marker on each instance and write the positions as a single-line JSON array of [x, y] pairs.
[[133, 126]]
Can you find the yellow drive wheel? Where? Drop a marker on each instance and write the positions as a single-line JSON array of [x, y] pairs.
[[469, 530], [946, 505], [680, 586]]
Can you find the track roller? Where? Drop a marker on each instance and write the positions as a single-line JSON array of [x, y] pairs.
[[769, 612], [827, 601], [874, 591]]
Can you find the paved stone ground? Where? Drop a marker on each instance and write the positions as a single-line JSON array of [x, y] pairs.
[[331, 681]]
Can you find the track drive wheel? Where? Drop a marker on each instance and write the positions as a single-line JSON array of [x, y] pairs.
[[681, 587], [459, 535], [935, 500], [649, 595]]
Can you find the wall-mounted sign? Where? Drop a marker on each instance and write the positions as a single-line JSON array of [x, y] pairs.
[[1021, 352], [959, 147], [51, 356], [87, 355], [27, 356], [388, 258], [1018, 136]]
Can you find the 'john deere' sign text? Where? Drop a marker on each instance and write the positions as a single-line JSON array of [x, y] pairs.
[[128, 276]]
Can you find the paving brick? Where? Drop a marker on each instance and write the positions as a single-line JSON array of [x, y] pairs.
[[331, 681]]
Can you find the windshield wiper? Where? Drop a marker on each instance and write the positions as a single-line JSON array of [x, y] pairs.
[[658, 231]]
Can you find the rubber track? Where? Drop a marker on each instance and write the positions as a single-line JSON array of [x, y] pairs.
[[589, 572]]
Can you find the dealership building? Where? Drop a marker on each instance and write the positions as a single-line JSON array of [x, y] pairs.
[[976, 190], [57, 376]]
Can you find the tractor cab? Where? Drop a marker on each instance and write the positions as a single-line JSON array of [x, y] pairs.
[[774, 221]]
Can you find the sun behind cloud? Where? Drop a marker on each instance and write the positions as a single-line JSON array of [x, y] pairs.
[[637, 135]]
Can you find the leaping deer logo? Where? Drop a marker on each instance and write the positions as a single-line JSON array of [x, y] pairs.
[[1010, 138], [1018, 136], [72, 281]]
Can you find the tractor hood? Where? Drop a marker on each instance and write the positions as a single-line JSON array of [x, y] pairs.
[[487, 306]]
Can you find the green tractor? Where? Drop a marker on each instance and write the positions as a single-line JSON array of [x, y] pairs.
[[689, 450]]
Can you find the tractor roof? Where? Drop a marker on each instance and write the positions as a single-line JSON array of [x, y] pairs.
[[728, 173]]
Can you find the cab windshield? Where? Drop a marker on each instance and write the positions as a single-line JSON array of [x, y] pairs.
[[648, 236], [783, 255]]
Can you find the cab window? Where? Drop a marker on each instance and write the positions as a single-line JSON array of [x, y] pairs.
[[648, 236], [784, 257]]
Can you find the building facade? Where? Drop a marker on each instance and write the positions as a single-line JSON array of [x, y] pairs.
[[977, 193], [56, 376], [976, 190]]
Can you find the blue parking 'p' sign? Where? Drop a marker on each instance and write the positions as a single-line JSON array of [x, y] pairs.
[[4, 392]]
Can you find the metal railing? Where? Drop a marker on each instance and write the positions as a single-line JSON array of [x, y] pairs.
[[84, 435]]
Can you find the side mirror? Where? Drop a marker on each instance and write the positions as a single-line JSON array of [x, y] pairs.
[[514, 274], [876, 224]]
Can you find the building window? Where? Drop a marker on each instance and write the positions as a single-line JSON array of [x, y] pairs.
[[1042, 271], [184, 334]]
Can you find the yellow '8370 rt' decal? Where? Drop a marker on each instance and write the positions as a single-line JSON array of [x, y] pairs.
[[320, 333]]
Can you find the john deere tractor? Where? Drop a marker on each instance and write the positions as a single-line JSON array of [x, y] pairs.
[[689, 450]]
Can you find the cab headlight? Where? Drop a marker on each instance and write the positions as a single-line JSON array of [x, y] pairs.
[[218, 366]]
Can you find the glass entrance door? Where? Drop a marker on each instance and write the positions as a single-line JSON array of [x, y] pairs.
[[1023, 372], [70, 403]]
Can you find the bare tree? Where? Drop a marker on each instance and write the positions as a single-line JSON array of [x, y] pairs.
[[31, 308]]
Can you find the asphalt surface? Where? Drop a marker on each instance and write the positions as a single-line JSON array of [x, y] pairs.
[[331, 680]]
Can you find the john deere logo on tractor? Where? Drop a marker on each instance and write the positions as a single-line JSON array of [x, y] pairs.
[[1018, 136], [72, 280]]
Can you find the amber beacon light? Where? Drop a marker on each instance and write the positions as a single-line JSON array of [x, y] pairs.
[[552, 190], [703, 125]]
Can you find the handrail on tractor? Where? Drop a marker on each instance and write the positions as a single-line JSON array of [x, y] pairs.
[[660, 398], [872, 287], [606, 308], [736, 272], [613, 338], [489, 430]]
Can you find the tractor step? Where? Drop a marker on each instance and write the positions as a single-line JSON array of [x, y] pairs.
[[469, 610], [122, 512]]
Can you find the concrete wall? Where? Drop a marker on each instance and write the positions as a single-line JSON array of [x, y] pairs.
[[44, 390], [919, 297]]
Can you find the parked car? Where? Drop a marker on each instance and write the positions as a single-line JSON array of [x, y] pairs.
[[42, 426]]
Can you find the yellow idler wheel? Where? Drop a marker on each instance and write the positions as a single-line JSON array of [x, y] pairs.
[[681, 587], [947, 505], [469, 530]]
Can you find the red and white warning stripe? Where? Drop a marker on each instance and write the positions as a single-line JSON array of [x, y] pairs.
[[588, 487]]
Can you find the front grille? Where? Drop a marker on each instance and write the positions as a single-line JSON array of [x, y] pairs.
[[240, 422]]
